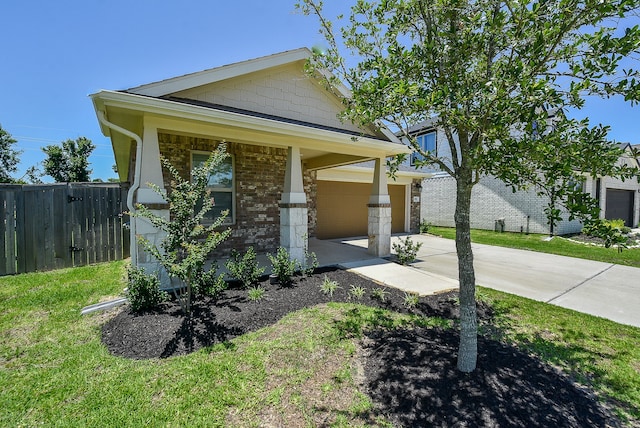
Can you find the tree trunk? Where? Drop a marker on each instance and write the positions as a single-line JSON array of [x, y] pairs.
[[468, 349]]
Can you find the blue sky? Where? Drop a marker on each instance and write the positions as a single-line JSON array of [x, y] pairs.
[[55, 54]]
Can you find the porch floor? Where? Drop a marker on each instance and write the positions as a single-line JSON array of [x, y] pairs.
[[351, 254]]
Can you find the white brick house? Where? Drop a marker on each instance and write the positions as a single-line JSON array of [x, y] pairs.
[[494, 206]]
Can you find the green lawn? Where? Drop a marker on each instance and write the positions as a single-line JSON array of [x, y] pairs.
[[535, 242], [54, 370]]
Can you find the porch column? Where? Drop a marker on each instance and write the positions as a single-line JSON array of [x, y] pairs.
[[380, 212], [293, 208], [150, 172]]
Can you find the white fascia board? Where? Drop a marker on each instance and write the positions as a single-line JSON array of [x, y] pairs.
[[188, 81], [332, 140]]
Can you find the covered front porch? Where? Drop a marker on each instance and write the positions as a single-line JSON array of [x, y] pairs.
[[139, 127]]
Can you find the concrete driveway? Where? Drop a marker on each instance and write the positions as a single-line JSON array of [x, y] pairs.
[[601, 289]]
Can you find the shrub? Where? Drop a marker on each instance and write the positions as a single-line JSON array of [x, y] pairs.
[[356, 292], [245, 268], [283, 266], [380, 294], [256, 294], [143, 290], [329, 286], [406, 250], [616, 224], [605, 230], [425, 226], [210, 284]]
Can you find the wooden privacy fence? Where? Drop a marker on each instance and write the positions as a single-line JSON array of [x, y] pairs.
[[52, 226]]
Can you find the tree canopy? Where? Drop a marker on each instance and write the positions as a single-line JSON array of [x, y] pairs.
[[69, 161], [489, 74], [9, 157]]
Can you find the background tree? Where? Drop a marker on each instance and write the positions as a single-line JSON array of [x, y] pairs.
[[488, 71], [69, 161], [9, 157]]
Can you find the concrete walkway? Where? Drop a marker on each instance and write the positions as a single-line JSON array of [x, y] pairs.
[[602, 289]]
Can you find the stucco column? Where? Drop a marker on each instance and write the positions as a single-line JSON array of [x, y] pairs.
[[379, 213], [293, 208]]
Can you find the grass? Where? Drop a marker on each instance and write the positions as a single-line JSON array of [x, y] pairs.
[[593, 350], [559, 246], [54, 370]]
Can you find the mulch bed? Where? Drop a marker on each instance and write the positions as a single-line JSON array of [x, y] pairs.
[[410, 374]]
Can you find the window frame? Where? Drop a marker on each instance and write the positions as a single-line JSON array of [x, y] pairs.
[[414, 154], [231, 218]]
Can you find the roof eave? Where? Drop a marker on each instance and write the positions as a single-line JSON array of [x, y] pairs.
[[149, 105]]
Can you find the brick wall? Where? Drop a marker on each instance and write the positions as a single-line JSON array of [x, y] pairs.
[[414, 224], [490, 200], [259, 182]]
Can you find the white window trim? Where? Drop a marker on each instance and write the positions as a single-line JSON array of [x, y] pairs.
[[231, 219]]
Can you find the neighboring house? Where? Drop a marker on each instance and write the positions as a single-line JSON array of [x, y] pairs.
[[282, 130], [494, 206]]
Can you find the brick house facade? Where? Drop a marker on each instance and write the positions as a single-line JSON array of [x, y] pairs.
[[281, 127], [259, 181]]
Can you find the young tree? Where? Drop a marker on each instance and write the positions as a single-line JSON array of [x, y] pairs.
[[487, 71], [188, 243], [69, 161], [8, 157]]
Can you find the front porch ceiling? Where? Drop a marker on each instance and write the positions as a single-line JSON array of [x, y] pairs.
[[330, 160]]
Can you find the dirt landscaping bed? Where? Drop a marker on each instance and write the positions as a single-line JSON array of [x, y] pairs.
[[410, 373]]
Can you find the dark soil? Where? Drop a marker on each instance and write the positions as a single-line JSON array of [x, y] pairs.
[[410, 373]]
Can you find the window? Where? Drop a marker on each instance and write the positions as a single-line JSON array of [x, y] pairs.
[[427, 143], [220, 185]]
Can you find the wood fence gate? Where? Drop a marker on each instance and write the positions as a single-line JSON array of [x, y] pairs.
[[52, 226]]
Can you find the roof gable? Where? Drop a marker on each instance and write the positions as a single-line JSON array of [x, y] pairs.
[[286, 91], [192, 80], [275, 85]]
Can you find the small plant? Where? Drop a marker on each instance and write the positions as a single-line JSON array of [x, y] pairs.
[[328, 286], [310, 263], [257, 293], [143, 291], [210, 284], [245, 268], [406, 250], [425, 226], [380, 294], [411, 300], [283, 266], [356, 292]]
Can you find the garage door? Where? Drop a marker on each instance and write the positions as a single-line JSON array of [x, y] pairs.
[[342, 209], [620, 205]]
